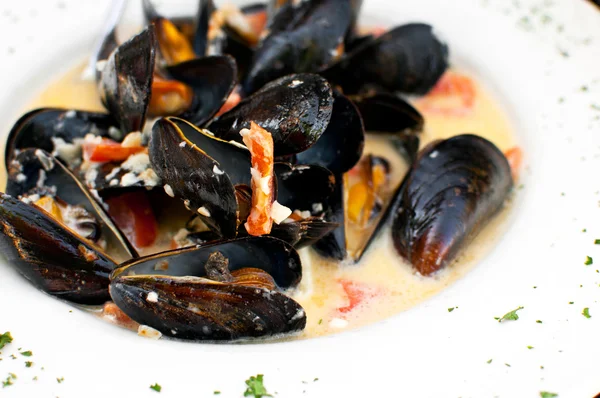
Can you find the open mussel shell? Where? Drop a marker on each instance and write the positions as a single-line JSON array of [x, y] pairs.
[[50, 256], [201, 170], [295, 109], [341, 145], [388, 113], [452, 190], [41, 127], [304, 38], [303, 233], [334, 245], [35, 171], [201, 309], [212, 79], [271, 255], [408, 59], [127, 79]]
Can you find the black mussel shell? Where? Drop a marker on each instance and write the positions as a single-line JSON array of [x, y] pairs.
[[388, 113], [127, 80], [38, 129], [333, 245], [271, 255], [201, 170], [35, 171], [450, 193], [205, 11], [212, 79], [301, 40], [201, 309], [303, 233], [408, 59], [50, 256], [295, 109], [293, 183], [341, 145]]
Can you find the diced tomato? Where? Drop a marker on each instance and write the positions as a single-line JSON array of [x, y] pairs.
[[357, 293], [258, 21], [169, 97], [108, 151], [515, 159], [133, 214], [260, 143], [453, 95], [232, 101], [114, 314]]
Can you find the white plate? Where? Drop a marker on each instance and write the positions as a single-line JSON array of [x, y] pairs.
[[532, 53]]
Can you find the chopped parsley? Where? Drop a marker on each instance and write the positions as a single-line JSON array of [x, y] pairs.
[[256, 387], [450, 309], [529, 347], [588, 260], [60, 379], [5, 339], [9, 380], [507, 364], [546, 394], [28, 364], [597, 242], [27, 353], [320, 321], [217, 393], [571, 302], [586, 312], [511, 315], [489, 361], [156, 387], [538, 321]]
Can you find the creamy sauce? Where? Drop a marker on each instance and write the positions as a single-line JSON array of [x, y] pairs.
[[390, 284]]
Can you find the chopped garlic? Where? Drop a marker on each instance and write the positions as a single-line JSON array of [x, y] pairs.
[[169, 190], [279, 212], [152, 297], [147, 331], [137, 163], [21, 178], [182, 144], [133, 139], [217, 170], [338, 323], [129, 179], [204, 211], [317, 207], [70, 153], [295, 83]]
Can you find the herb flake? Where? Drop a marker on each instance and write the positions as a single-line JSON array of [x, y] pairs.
[[546, 394], [27, 353], [256, 387], [28, 364], [586, 313], [511, 315], [5, 339], [588, 260], [156, 387], [59, 380]]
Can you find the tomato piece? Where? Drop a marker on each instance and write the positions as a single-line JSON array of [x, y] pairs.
[[115, 315], [169, 97], [515, 159], [357, 293], [258, 21], [133, 214], [453, 95], [260, 143], [232, 101], [108, 151]]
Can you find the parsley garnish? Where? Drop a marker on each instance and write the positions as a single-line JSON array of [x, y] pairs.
[[9, 380], [5, 339], [511, 315], [256, 387], [489, 361], [586, 312], [27, 353], [571, 302], [156, 387], [450, 309], [320, 321], [60, 379], [529, 347], [597, 242], [217, 393], [507, 364], [28, 364], [538, 321], [588, 260], [546, 394]]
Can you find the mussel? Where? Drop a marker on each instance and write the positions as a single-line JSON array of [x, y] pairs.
[[303, 38], [408, 59], [222, 291], [295, 109], [451, 192]]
